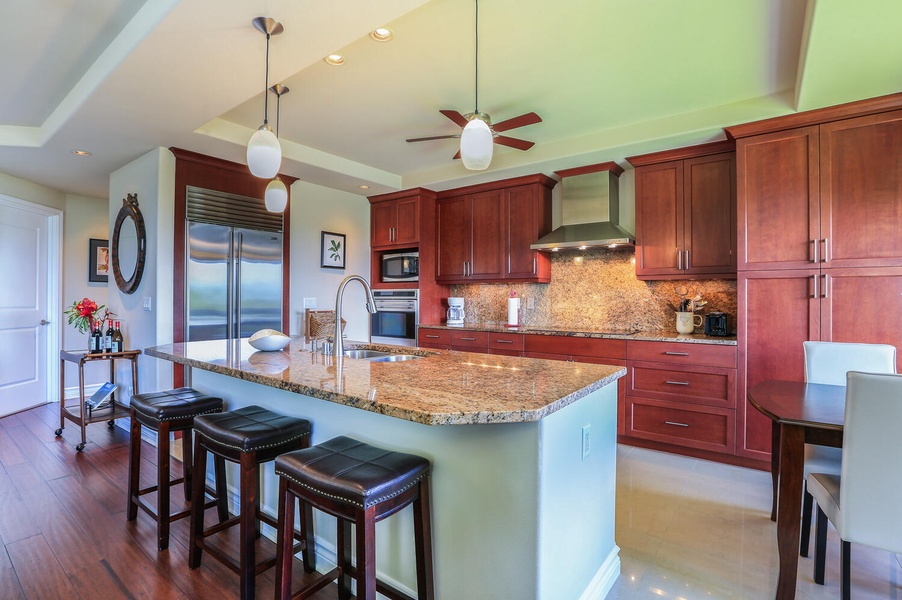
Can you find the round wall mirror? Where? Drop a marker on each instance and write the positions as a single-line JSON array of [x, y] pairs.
[[129, 249]]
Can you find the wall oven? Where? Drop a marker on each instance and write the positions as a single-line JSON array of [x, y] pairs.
[[401, 267], [396, 318]]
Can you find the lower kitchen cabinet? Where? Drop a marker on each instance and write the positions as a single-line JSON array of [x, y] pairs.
[[682, 395], [438, 339]]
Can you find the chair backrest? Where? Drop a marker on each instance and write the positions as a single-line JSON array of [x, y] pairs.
[[828, 362], [870, 496]]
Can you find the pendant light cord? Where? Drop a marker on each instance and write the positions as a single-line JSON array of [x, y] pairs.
[[266, 86], [477, 57], [278, 111]]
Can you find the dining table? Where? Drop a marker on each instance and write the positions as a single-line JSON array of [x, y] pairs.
[[800, 413]]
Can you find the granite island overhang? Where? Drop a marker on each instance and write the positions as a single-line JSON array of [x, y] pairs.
[[523, 454]]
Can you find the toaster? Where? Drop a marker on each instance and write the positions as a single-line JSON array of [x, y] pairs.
[[716, 324]]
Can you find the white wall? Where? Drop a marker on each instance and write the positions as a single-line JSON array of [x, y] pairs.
[[315, 209], [152, 177], [84, 218]]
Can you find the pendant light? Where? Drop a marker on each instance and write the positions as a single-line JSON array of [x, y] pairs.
[[264, 154], [476, 140], [276, 195]]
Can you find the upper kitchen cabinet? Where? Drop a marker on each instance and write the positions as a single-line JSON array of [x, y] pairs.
[[824, 195], [484, 232], [686, 213], [395, 220]]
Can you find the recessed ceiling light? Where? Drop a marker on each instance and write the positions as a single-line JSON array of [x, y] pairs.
[[364, 187], [81, 152], [335, 60], [383, 34]]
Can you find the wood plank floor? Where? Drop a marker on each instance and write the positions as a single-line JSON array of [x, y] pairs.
[[63, 529]]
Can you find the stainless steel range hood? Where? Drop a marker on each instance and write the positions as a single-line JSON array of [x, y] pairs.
[[590, 210]]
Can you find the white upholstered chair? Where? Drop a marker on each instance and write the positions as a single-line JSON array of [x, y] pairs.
[[828, 362], [863, 502]]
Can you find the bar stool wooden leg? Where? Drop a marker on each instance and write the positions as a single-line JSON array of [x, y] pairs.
[[187, 463], [248, 524], [309, 553], [422, 528], [222, 497], [344, 558], [197, 501], [286, 531], [365, 526], [134, 468], [163, 477]]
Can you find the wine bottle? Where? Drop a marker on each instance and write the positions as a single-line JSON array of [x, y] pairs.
[[118, 345], [97, 338], [108, 340]]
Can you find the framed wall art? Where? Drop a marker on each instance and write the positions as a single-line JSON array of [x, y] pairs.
[[332, 250], [98, 260]]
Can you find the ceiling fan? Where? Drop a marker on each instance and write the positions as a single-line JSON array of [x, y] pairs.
[[479, 135]]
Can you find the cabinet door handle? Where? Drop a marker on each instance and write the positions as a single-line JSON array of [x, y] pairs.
[[463, 339], [814, 293], [676, 382], [826, 251], [816, 253], [677, 424], [679, 260], [826, 286], [432, 336], [465, 268], [508, 263], [503, 341], [533, 265], [687, 260], [677, 353]]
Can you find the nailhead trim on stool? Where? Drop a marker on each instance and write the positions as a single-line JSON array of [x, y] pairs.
[[361, 484], [249, 436], [166, 412]]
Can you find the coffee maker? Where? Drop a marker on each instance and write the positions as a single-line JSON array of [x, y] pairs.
[[455, 311]]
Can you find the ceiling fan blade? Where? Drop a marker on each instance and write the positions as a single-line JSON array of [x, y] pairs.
[[456, 156], [455, 116], [514, 142], [521, 121], [434, 137]]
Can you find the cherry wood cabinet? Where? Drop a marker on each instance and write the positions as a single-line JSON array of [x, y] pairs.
[[686, 213], [483, 233], [395, 222]]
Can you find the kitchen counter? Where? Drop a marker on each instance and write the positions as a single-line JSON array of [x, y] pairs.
[[649, 336], [523, 456], [444, 388]]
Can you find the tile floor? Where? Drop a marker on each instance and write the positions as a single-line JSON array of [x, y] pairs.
[[690, 529]]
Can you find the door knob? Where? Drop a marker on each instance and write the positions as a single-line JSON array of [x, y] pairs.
[[45, 322]]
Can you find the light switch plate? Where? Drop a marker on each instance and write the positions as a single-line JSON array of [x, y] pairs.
[[310, 303], [146, 303]]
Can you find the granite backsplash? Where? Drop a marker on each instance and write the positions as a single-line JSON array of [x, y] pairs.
[[595, 289]]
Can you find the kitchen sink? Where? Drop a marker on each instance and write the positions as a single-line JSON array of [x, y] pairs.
[[365, 354], [395, 358]]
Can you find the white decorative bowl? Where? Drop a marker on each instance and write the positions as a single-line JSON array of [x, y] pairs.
[[268, 340]]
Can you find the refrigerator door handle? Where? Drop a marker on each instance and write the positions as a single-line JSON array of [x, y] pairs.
[[230, 283], [238, 258]]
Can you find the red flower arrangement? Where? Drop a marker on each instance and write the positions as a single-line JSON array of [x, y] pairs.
[[83, 315]]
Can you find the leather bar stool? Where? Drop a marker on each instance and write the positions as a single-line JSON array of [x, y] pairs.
[[359, 484], [249, 436], [166, 412]]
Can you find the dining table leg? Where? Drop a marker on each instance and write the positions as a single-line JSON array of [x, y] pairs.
[[792, 460], [774, 466]]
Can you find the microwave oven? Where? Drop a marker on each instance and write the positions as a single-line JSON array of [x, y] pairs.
[[401, 267]]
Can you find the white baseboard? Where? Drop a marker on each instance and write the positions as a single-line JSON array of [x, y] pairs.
[[604, 578]]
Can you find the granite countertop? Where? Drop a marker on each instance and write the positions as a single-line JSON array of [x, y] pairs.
[[647, 336], [444, 388]]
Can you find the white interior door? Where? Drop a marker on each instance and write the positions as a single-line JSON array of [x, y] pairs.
[[25, 324]]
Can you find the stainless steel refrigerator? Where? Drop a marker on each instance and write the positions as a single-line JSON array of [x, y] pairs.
[[234, 282]]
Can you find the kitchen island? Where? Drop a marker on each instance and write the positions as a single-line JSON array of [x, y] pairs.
[[523, 454]]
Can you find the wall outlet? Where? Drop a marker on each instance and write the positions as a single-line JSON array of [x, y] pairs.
[[585, 441], [146, 303], [531, 303], [310, 303]]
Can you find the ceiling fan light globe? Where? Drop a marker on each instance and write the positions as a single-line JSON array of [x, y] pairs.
[[276, 196], [264, 153], [476, 145]]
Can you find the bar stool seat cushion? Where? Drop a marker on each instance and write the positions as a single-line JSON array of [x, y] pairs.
[[251, 428], [173, 405], [352, 472]]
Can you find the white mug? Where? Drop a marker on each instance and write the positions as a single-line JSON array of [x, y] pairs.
[[686, 322]]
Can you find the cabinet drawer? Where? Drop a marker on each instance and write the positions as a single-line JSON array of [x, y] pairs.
[[712, 386], [434, 336], [693, 426], [575, 346], [477, 340], [681, 353], [506, 341]]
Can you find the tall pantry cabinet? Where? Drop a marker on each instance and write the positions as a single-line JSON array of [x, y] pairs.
[[819, 207]]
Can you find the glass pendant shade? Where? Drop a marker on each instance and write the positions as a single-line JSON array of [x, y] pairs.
[[476, 145], [264, 153], [276, 196]]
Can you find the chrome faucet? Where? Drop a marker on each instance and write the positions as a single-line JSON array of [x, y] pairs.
[[338, 343]]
